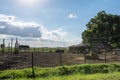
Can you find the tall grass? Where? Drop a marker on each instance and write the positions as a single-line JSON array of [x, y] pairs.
[[61, 71], [98, 76]]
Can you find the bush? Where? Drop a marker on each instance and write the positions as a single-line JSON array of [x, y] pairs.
[[11, 74], [60, 71], [39, 72], [65, 70]]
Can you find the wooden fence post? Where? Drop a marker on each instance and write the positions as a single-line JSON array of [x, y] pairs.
[[84, 57], [32, 64], [60, 58], [105, 57], [11, 44]]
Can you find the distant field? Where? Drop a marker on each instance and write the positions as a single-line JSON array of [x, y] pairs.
[[42, 49], [76, 72]]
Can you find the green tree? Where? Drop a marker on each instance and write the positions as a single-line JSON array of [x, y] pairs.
[[103, 28]]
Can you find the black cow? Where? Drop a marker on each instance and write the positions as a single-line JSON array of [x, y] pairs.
[[59, 51]]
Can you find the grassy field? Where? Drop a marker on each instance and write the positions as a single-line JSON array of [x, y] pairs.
[[42, 49], [76, 72]]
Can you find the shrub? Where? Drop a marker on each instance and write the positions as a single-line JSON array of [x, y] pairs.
[[65, 70], [11, 74], [60, 71]]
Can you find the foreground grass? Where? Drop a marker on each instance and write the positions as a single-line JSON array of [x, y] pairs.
[[76, 72], [98, 76]]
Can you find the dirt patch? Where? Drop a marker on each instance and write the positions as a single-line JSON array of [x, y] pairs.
[[23, 60]]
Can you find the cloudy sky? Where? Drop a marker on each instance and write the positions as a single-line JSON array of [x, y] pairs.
[[49, 22]]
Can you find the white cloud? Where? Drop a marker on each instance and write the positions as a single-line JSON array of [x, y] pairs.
[[9, 26], [6, 18], [37, 42], [33, 34], [11, 21], [2, 27], [56, 35], [72, 16]]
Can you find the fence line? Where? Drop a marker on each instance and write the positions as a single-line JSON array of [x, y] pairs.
[[24, 60]]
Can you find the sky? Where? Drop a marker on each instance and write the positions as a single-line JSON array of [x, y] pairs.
[[49, 23]]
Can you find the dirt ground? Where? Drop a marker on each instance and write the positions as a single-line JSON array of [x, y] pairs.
[[23, 60]]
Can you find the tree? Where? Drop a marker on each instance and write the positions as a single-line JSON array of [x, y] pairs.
[[103, 28]]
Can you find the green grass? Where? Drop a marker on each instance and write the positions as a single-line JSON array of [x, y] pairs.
[[98, 76], [76, 72]]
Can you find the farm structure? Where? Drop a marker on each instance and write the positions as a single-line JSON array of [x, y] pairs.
[[86, 49], [23, 47]]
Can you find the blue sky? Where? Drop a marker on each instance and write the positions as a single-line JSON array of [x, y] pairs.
[[61, 20]]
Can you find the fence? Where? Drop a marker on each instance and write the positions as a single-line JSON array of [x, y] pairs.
[[51, 59]]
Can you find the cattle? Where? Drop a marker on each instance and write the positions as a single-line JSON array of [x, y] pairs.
[[59, 51]]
